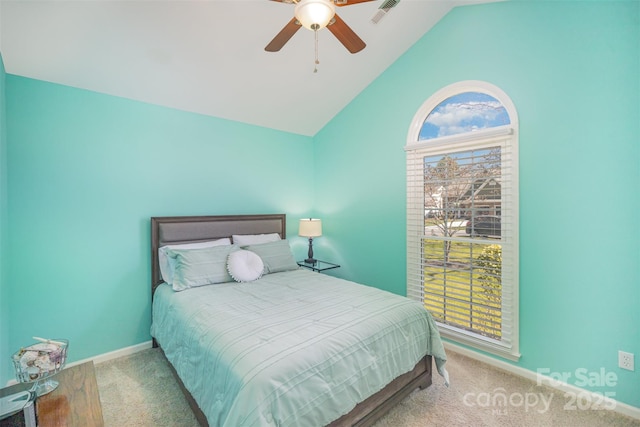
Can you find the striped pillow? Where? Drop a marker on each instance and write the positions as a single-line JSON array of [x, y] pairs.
[[276, 256]]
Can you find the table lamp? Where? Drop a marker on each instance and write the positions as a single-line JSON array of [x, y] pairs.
[[310, 228]]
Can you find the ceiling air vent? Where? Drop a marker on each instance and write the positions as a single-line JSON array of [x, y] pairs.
[[384, 9]]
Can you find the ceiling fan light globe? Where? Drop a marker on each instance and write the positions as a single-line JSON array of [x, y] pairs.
[[314, 14]]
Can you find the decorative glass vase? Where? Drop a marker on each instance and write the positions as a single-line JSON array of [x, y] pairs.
[[39, 362]]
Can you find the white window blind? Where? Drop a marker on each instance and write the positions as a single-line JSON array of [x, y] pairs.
[[462, 236]]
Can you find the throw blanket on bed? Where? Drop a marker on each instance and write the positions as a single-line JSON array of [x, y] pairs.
[[295, 348]]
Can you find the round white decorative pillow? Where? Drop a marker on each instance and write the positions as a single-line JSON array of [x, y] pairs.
[[245, 266]]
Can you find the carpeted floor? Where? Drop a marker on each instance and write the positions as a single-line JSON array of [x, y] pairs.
[[139, 390]]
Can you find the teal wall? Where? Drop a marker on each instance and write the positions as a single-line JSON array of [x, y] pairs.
[[572, 71], [86, 173], [4, 304]]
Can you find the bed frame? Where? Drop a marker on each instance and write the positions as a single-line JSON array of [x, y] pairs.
[[189, 229]]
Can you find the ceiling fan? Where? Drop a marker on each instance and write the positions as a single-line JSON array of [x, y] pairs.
[[315, 15]]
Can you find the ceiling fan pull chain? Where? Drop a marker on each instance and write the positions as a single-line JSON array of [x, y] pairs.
[[315, 69]]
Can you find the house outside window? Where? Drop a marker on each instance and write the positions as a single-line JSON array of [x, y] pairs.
[[462, 215]]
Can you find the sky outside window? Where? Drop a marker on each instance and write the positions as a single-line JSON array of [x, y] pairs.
[[463, 113]]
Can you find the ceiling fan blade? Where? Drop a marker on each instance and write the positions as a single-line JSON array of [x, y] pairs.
[[283, 36], [341, 3], [345, 34]]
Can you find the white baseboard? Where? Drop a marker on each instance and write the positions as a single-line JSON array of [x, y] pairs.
[[114, 354], [594, 398], [105, 356]]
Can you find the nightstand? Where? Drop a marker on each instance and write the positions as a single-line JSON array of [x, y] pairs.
[[75, 403], [318, 266]]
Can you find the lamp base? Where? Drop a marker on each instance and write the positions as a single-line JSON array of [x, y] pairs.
[[310, 259]]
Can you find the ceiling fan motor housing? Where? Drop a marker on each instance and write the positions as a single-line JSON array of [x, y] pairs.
[[314, 14]]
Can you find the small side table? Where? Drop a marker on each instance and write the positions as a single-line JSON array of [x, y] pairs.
[[75, 403], [318, 266]]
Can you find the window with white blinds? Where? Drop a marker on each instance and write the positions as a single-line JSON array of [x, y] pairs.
[[462, 224]]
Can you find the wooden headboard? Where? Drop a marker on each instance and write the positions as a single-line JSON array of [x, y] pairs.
[[188, 229]]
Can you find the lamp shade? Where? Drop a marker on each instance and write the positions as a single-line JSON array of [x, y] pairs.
[[310, 227], [314, 14]]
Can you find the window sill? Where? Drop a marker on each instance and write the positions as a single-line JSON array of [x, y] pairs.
[[493, 347]]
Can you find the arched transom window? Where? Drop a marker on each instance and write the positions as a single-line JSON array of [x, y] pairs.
[[462, 113]]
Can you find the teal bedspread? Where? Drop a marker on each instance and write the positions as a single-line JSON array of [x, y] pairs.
[[295, 348]]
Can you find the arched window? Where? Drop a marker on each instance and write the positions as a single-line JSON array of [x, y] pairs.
[[462, 215]]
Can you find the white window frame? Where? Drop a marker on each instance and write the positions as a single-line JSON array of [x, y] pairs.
[[507, 138]]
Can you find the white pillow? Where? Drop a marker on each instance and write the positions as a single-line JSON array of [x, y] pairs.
[[167, 264], [254, 239], [245, 266]]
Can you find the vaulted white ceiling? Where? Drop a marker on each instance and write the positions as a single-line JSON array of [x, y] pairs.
[[208, 57]]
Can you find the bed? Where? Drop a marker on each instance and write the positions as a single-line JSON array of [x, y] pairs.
[[292, 347]]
